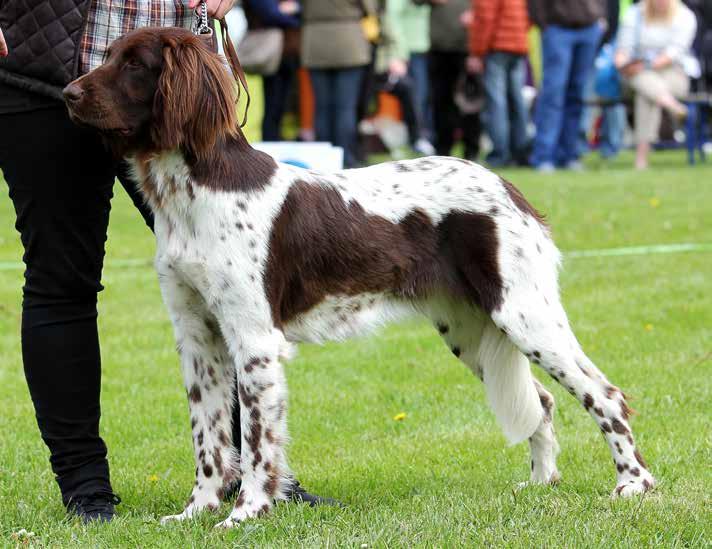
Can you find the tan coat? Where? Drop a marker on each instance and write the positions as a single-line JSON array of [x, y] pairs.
[[332, 37]]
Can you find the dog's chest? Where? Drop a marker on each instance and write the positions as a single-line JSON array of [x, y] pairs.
[[212, 251]]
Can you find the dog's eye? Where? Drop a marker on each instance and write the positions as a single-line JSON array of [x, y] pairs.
[[133, 63]]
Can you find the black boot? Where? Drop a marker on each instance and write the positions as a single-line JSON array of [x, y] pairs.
[[98, 506], [298, 494]]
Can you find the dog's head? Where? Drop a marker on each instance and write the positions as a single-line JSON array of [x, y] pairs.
[[159, 89]]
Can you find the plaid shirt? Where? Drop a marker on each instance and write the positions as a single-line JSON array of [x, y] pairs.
[[107, 20]]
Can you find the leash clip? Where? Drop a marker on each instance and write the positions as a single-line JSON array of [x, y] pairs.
[[200, 24]]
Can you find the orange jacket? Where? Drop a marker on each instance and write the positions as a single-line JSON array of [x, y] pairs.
[[499, 25]]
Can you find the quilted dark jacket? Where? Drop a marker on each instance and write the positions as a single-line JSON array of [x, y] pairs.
[[43, 37]]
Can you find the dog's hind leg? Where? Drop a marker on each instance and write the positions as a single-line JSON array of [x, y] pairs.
[[209, 378], [522, 406], [542, 444], [535, 321]]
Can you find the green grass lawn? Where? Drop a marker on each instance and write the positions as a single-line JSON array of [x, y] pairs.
[[444, 476]]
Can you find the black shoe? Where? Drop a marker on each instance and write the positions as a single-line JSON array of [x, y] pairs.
[[295, 493], [98, 506], [298, 494]]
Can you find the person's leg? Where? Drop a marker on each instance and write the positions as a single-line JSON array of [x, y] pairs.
[[518, 113], [321, 80], [496, 113], [647, 126], [276, 93], [585, 43], [612, 129], [62, 204], [678, 86], [347, 86], [270, 120], [418, 71], [470, 124], [442, 82], [402, 89], [556, 57]]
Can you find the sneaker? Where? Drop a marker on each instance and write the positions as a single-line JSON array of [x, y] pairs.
[[94, 507], [424, 147], [575, 166], [546, 167]]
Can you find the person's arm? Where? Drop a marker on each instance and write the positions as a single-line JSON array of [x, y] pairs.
[[271, 14], [3, 46], [483, 26], [682, 34], [216, 8], [625, 42], [393, 19]]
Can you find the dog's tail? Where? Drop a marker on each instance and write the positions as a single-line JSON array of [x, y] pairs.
[[509, 385]]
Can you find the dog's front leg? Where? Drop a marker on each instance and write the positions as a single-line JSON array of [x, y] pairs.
[[263, 414], [209, 379]]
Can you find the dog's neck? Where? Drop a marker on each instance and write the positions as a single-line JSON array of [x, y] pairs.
[[176, 177]]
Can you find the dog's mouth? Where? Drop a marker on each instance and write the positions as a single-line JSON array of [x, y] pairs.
[[99, 123]]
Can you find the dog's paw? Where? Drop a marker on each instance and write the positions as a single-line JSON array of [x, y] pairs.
[[541, 477], [634, 487], [176, 518], [189, 512], [545, 476], [244, 511]]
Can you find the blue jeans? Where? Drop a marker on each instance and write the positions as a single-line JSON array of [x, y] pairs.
[[336, 93], [418, 72], [568, 56], [505, 114], [612, 130]]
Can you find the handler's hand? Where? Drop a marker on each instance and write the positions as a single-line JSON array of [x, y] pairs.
[[216, 8], [631, 69], [474, 64], [3, 46]]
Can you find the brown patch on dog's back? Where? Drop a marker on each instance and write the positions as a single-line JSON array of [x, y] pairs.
[[321, 245]]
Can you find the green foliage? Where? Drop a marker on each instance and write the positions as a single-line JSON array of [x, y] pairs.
[[443, 476]]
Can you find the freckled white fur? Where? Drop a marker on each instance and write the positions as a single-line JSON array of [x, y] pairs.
[[212, 251]]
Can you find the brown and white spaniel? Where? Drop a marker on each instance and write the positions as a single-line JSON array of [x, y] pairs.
[[254, 256]]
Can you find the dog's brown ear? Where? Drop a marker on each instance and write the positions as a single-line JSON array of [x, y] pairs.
[[194, 106]]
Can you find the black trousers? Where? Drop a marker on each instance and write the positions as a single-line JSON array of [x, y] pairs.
[[61, 182], [445, 68], [277, 88]]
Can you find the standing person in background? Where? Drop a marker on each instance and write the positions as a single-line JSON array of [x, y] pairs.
[[336, 52], [498, 47], [613, 121], [654, 56], [401, 26], [571, 32], [411, 25], [283, 14], [448, 53]]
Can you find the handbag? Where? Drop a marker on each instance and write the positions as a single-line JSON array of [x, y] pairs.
[[607, 83], [260, 51]]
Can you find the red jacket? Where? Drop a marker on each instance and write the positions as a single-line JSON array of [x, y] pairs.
[[499, 25]]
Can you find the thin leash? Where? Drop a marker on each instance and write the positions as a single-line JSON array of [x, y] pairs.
[[202, 29]]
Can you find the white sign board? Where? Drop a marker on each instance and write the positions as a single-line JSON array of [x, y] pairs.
[[319, 156]]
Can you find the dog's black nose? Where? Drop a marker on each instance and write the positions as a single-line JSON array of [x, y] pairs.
[[72, 93]]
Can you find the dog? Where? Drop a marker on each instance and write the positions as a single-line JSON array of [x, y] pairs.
[[254, 257]]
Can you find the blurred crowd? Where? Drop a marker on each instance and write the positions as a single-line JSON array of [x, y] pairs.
[[532, 83]]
